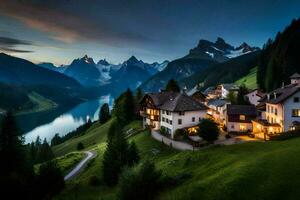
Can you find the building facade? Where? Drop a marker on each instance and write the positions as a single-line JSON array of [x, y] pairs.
[[171, 111]]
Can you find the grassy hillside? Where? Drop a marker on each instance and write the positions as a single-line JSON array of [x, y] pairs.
[[249, 80], [246, 171]]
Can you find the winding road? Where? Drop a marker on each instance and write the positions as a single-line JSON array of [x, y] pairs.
[[81, 165]]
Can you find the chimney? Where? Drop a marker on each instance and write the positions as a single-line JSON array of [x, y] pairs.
[[282, 84], [268, 96], [275, 95]]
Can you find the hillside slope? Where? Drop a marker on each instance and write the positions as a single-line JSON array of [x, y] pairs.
[[227, 72], [254, 170], [18, 71], [249, 80]]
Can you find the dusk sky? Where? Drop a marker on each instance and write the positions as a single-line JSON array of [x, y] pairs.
[[153, 30]]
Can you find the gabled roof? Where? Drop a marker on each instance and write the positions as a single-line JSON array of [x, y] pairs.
[[281, 94], [230, 86], [296, 75], [241, 109], [175, 102], [182, 102], [217, 102]]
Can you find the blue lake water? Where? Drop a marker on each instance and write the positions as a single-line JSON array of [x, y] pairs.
[[67, 121]]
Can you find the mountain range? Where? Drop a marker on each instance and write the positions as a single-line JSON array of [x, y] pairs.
[[203, 56]]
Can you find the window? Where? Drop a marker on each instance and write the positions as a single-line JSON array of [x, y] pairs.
[[296, 113], [242, 117], [275, 111], [193, 119], [296, 99], [181, 113], [272, 109], [167, 120], [171, 122], [242, 127], [179, 121], [163, 112], [163, 119], [200, 119], [232, 126], [167, 112]]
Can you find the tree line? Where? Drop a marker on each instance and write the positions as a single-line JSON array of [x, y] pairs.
[[18, 178]]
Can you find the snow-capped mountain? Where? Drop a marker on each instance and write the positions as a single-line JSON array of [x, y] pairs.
[[219, 51], [84, 70], [106, 70], [160, 66]]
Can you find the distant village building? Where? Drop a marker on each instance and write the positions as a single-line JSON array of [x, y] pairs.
[[282, 109], [254, 96], [223, 90], [239, 118], [217, 109], [171, 111]]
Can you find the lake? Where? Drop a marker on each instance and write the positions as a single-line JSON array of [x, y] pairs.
[[62, 122]]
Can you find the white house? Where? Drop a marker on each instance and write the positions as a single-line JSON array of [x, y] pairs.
[[254, 96], [282, 109], [239, 118], [171, 111], [217, 109], [224, 89]]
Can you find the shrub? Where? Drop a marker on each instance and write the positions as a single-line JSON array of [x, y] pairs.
[[142, 182], [179, 134], [208, 130], [80, 146], [163, 131]]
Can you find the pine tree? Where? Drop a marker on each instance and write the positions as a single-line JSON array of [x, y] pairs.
[[172, 86], [133, 154], [241, 100], [104, 114]]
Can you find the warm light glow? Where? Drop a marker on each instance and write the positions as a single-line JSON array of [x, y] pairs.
[[242, 127]]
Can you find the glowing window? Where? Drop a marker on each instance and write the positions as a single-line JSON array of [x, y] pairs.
[[242, 127], [242, 117]]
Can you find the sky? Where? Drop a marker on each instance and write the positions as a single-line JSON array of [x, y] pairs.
[[59, 31]]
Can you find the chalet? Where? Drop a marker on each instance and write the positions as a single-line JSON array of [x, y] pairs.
[[282, 109], [239, 117], [254, 96], [223, 90], [171, 111], [217, 109]]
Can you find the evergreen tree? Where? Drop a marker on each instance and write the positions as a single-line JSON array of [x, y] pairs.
[[129, 106], [138, 96], [104, 114], [172, 86], [146, 178], [208, 130], [56, 140], [241, 100], [231, 97], [133, 154], [16, 172], [50, 181]]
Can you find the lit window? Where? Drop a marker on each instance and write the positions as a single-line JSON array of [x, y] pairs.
[[242, 127], [296, 113], [242, 117]]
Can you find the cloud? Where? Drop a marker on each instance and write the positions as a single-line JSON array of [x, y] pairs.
[[65, 25], [8, 44]]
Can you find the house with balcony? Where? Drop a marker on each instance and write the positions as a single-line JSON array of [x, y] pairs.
[[239, 118], [171, 111], [282, 109]]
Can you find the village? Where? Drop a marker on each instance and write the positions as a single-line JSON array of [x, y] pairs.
[[170, 115]]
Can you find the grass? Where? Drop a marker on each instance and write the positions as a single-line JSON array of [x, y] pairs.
[[94, 135], [253, 170], [40, 104], [67, 162], [249, 80]]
